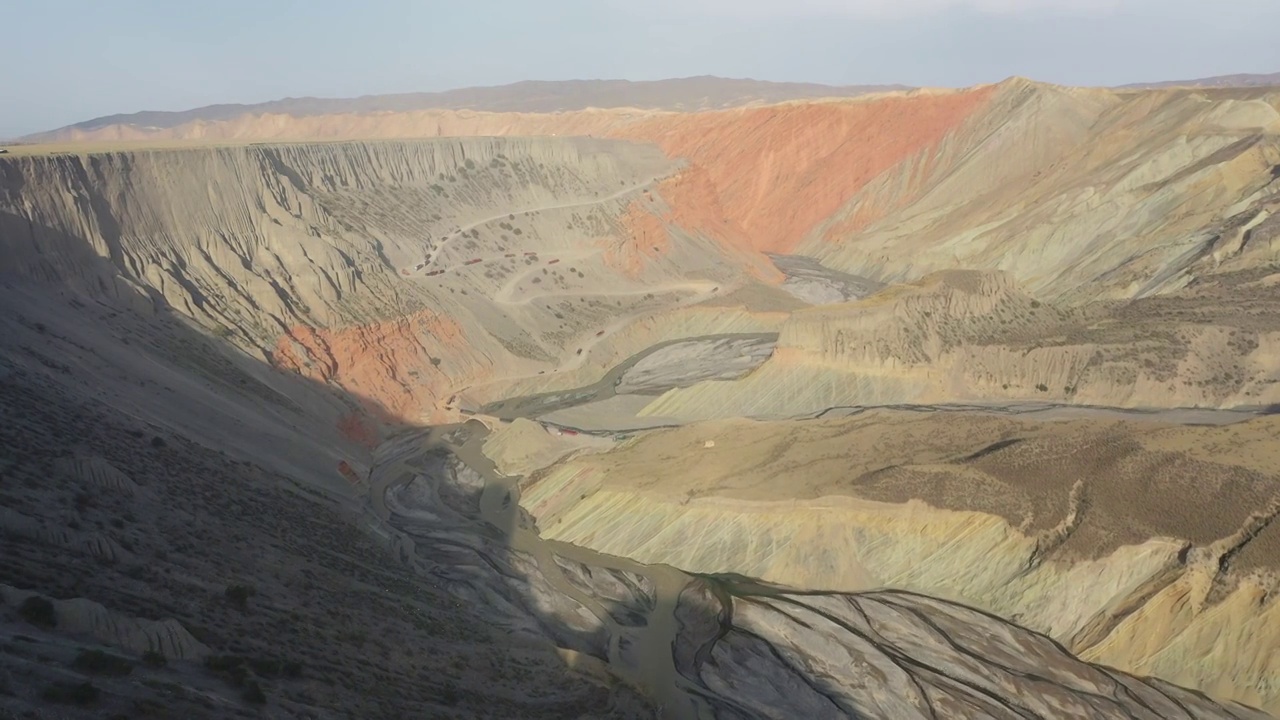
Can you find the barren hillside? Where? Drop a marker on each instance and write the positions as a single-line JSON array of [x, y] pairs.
[[541, 366]]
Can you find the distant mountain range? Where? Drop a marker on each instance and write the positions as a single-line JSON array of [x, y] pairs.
[[680, 94], [683, 94], [1243, 80]]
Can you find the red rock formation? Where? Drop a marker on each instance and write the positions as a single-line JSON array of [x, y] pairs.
[[388, 365], [646, 238], [692, 204], [348, 472], [778, 170], [360, 428], [781, 170]]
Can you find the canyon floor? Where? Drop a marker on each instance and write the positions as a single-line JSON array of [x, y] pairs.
[[917, 404]]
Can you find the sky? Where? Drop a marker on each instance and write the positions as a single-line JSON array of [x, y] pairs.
[[65, 61]]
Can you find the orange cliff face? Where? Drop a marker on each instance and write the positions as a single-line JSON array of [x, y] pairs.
[[779, 171], [688, 201], [645, 238], [391, 366]]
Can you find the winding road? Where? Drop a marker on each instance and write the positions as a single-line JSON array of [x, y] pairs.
[[458, 234]]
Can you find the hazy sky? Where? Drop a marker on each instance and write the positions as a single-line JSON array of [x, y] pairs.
[[70, 60]]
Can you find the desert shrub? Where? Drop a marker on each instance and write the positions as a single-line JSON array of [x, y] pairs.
[[85, 693], [97, 662], [154, 659], [230, 668], [253, 694], [39, 612], [272, 668], [238, 595]]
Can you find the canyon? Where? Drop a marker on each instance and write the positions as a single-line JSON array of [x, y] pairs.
[[921, 403]]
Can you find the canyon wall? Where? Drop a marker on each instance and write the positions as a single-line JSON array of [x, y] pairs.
[[399, 271], [1079, 193]]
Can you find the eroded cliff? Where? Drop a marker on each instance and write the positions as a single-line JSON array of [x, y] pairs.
[[400, 271]]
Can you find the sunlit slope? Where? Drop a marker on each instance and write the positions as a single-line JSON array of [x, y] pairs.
[[964, 336], [1141, 546], [1078, 194]]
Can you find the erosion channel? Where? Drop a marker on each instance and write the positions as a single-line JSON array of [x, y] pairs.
[[720, 646]]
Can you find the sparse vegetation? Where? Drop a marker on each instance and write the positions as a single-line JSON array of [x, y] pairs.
[[97, 662], [151, 658], [83, 694], [231, 668], [376, 637], [238, 596], [39, 612], [252, 692], [222, 522]]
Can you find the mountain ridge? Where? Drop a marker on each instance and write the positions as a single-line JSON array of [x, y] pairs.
[[1235, 80], [693, 93], [690, 93]]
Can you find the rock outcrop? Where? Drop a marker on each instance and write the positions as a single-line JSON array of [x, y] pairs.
[[971, 337]]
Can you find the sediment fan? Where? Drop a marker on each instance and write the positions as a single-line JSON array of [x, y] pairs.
[[598, 425]]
